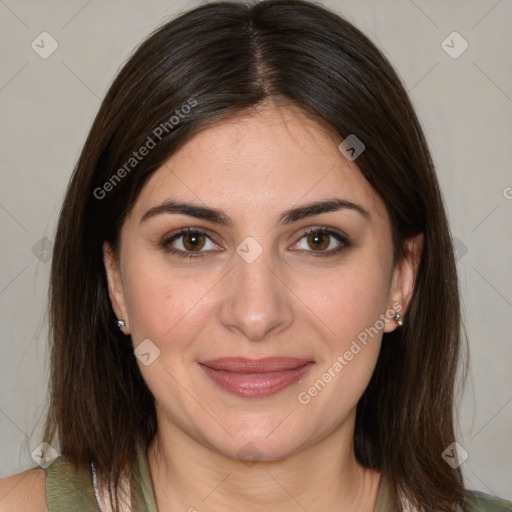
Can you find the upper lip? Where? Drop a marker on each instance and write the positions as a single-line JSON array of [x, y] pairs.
[[263, 365]]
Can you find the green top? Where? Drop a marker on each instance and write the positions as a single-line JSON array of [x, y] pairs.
[[69, 490]]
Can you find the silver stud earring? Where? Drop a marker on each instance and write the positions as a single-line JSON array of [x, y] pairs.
[[120, 324], [398, 319]]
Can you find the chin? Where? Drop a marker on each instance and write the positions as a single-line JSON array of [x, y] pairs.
[[261, 444]]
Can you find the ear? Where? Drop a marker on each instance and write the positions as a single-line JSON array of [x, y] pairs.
[[115, 286], [404, 279]]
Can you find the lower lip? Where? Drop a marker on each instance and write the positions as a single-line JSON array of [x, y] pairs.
[[256, 385]]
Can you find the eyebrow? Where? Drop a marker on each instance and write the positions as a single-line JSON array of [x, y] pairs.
[[220, 217]]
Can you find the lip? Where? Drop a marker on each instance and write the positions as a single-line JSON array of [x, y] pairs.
[[255, 378]]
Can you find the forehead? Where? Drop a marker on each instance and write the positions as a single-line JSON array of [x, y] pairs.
[[260, 162]]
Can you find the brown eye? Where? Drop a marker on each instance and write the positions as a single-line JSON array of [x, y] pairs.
[[189, 243], [323, 242], [193, 241], [318, 240]]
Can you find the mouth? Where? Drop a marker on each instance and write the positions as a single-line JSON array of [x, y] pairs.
[[255, 378]]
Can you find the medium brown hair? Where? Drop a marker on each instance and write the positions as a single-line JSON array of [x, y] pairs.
[[226, 58]]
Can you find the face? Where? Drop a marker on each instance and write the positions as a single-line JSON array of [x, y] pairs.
[[262, 323]]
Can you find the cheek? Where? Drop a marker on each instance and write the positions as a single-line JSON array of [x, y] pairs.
[[348, 301], [166, 306], [350, 309]]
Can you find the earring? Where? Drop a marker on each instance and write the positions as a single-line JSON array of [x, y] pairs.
[[120, 324], [398, 319]]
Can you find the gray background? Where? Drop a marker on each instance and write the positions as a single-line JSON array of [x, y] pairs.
[[465, 104]]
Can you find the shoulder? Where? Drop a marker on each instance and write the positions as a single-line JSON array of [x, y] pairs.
[[23, 491], [482, 502]]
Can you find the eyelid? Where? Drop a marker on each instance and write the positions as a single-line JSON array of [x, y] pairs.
[[168, 239], [341, 237], [328, 229]]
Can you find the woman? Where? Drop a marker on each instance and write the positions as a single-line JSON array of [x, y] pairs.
[[254, 300]]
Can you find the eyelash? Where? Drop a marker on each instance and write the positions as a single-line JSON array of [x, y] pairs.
[[166, 242]]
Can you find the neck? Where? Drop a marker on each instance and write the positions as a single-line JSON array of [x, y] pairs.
[[187, 475]]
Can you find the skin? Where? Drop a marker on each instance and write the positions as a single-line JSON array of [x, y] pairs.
[[287, 302], [24, 491]]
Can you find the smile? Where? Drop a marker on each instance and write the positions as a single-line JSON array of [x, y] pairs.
[[255, 378]]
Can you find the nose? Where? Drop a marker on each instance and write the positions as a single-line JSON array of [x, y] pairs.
[[257, 302]]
